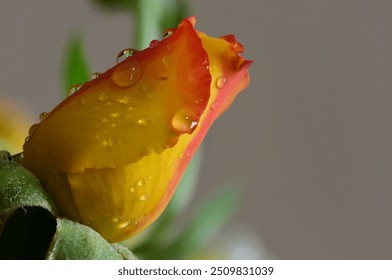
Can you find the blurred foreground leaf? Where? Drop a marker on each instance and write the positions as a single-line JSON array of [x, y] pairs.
[[211, 216]]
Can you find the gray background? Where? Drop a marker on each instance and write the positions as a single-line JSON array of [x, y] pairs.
[[309, 141]]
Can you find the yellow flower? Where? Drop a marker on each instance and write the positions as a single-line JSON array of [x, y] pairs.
[[13, 126], [112, 154]]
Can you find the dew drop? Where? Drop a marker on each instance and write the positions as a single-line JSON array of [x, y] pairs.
[[115, 115], [198, 101], [143, 197], [184, 123], [116, 219], [214, 105], [220, 82], [135, 222], [73, 89], [153, 43], [94, 76], [104, 96], [168, 32], [123, 224], [132, 189], [43, 115], [167, 60], [124, 54], [126, 99], [143, 121], [109, 142], [141, 183], [128, 74], [32, 129]]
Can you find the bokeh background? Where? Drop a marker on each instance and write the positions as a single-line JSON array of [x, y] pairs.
[[308, 143]]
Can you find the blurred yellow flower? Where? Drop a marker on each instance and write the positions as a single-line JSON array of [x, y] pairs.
[[14, 123]]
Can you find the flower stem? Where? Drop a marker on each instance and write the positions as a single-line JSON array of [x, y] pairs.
[[148, 16]]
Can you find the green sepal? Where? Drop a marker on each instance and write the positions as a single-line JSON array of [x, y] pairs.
[[74, 241], [20, 188], [31, 229]]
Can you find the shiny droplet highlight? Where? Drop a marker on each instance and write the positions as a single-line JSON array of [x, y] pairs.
[[214, 105], [43, 115], [143, 121], [94, 75], [153, 43], [168, 32], [127, 74], [184, 123], [73, 89], [124, 54], [220, 82]]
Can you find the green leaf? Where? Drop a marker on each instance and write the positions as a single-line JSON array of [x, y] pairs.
[[211, 216], [76, 69]]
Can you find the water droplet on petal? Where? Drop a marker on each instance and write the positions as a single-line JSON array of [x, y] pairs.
[[42, 115], [143, 121], [125, 99], [116, 219], [109, 142], [184, 123], [123, 224], [124, 54], [128, 74], [220, 82], [198, 101], [73, 89], [141, 183], [104, 96], [135, 222], [166, 60], [94, 75], [153, 43], [143, 197], [214, 105], [168, 32], [115, 115], [32, 129]]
